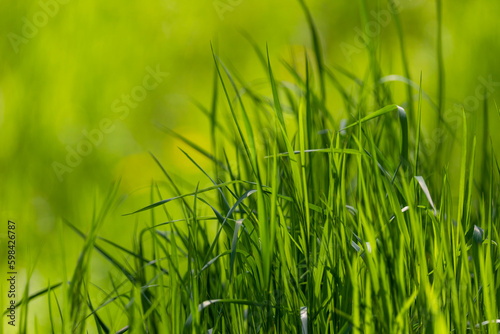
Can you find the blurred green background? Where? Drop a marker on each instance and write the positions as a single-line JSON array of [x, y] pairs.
[[64, 64]]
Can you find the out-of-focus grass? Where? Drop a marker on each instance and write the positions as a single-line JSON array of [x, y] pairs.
[[65, 79]]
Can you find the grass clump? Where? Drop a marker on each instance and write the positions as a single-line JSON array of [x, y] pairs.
[[310, 224]]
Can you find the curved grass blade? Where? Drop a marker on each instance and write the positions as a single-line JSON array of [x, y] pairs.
[[427, 193], [104, 253], [229, 214], [234, 243], [192, 145], [101, 326], [226, 204], [154, 205], [317, 49], [403, 123], [207, 303], [35, 295]]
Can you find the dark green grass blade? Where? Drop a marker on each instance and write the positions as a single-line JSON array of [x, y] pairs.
[[101, 326], [229, 214], [226, 204], [36, 295], [218, 186], [403, 124], [138, 256], [104, 253]]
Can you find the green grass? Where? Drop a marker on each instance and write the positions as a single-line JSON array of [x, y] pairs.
[[307, 225]]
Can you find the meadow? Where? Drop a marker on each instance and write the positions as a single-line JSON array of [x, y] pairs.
[[313, 168]]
